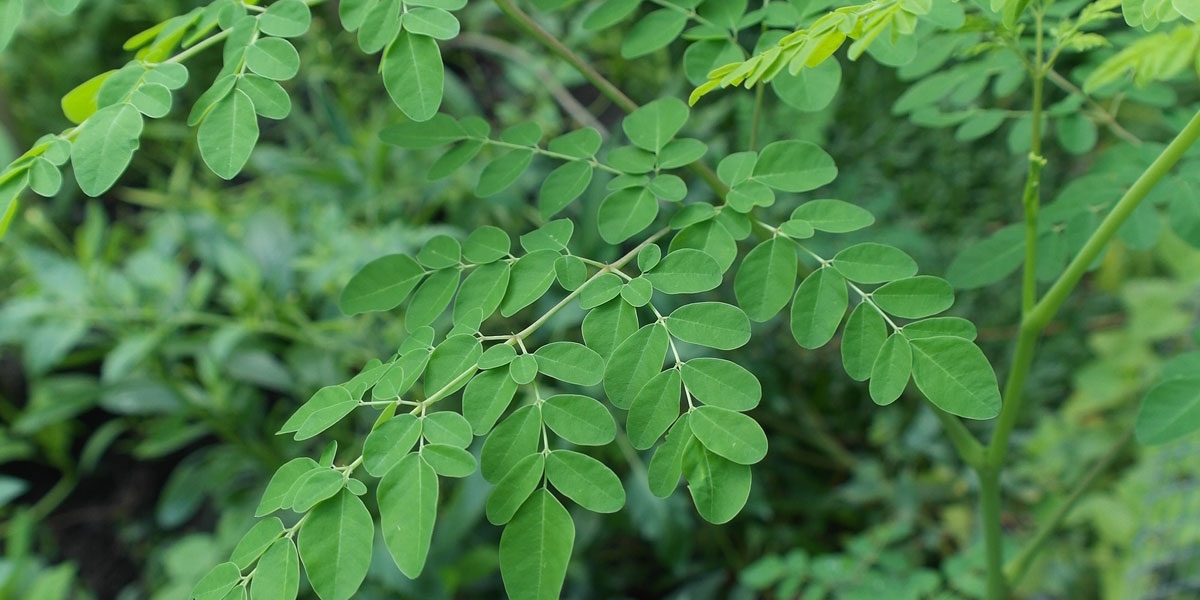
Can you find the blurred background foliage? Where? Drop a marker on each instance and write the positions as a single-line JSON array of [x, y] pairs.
[[152, 340]]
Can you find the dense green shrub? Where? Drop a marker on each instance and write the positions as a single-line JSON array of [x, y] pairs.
[[641, 269]]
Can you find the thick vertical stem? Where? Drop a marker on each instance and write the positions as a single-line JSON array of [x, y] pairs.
[[993, 535]]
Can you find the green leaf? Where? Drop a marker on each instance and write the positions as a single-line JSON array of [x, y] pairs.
[[325, 408], [413, 75], [794, 166], [523, 369], [862, 338], [381, 284], [654, 31], [228, 134], [554, 235], [453, 357], [502, 172], [152, 100], [439, 130], [765, 279], [482, 290], [497, 356], [710, 237], [654, 409], [625, 213], [486, 398], [335, 545], [433, 22], [104, 146], [220, 88], [685, 271], [562, 186], [632, 161], [1170, 410], [408, 497], [531, 276], [487, 244], [638, 291], [314, 487], [581, 143], [448, 461], [891, 369], [440, 252], [681, 152], [431, 298], [606, 326], [635, 361], [649, 257], [719, 382], [834, 216], [256, 541], [692, 214], [719, 487], [217, 582], [653, 125], [281, 482], [277, 575], [988, 261], [447, 427], [585, 480], [288, 18], [712, 324], [513, 439], [389, 443], [729, 433], [744, 196], [811, 89], [874, 263], [956, 377], [570, 362], [609, 13], [535, 548], [579, 419], [380, 25], [936, 326], [269, 98], [571, 272], [44, 177], [666, 466], [601, 289], [914, 297], [273, 58], [514, 488]]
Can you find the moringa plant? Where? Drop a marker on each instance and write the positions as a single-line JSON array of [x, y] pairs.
[[699, 258]]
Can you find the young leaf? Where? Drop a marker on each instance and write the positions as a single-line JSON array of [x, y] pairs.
[[634, 363], [335, 545], [874, 263], [765, 280], [408, 497], [1169, 411], [862, 338], [536, 547], [587, 481], [891, 369], [570, 362], [486, 398], [579, 419], [719, 487], [413, 75], [956, 377], [277, 575], [513, 439], [728, 433], [654, 409], [712, 324], [514, 488], [914, 297], [389, 443], [719, 382], [104, 146]]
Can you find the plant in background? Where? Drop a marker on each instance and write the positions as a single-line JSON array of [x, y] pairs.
[[477, 361]]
